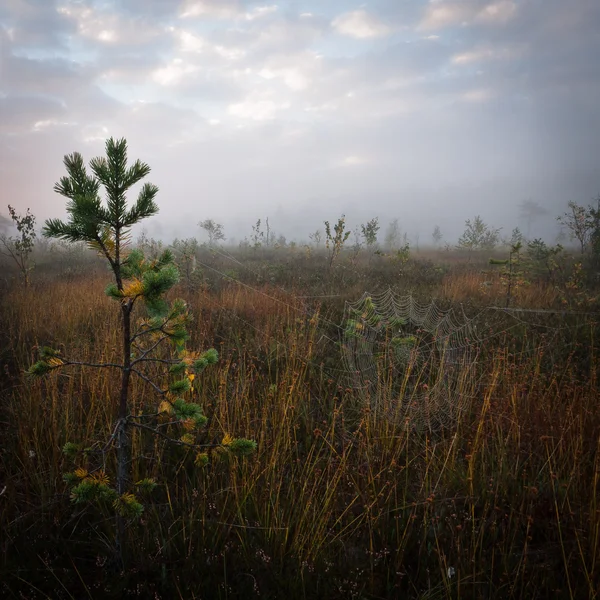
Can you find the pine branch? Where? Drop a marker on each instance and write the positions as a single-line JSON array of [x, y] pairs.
[[170, 439], [94, 365], [144, 206], [149, 382]]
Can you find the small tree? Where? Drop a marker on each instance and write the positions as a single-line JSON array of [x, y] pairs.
[[258, 235], [185, 255], [19, 248], [530, 211], [478, 236], [516, 238], [595, 234], [214, 231], [136, 279], [356, 246], [580, 223], [392, 235], [437, 236], [151, 247], [334, 241], [316, 237], [269, 234], [510, 275], [370, 231], [543, 260]]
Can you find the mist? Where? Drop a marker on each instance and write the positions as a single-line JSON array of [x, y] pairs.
[[428, 112]]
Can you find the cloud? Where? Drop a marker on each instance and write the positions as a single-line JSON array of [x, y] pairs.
[[477, 96], [296, 101], [260, 11], [258, 107], [441, 14], [36, 22], [217, 9], [497, 12], [483, 54], [174, 72], [108, 27], [361, 25], [353, 161]]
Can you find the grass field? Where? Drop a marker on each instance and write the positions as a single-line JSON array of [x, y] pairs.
[[339, 501]]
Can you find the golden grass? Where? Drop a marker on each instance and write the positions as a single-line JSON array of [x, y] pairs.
[[338, 502]]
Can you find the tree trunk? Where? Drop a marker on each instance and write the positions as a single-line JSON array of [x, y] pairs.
[[123, 442]]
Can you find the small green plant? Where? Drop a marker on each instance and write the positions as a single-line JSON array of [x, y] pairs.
[[334, 241], [185, 256], [392, 235], [316, 237], [580, 223], [544, 261], [356, 247], [258, 235], [516, 237], [370, 231], [510, 275], [137, 280], [214, 231], [151, 247], [19, 248], [401, 254], [478, 236]]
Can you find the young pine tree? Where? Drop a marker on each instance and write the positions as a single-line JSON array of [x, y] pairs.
[[137, 280]]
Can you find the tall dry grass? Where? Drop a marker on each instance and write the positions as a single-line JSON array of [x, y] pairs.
[[338, 502]]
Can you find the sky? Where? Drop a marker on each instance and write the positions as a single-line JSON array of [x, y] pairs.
[[430, 112]]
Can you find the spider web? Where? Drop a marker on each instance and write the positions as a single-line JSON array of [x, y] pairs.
[[421, 364]]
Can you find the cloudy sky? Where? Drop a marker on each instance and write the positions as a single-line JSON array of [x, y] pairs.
[[428, 111]]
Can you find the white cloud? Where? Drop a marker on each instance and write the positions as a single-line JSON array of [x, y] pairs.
[[292, 77], [498, 12], [109, 27], [440, 14], [257, 107], [94, 133], [218, 9], [50, 123], [361, 25], [189, 42], [484, 54], [260, 11], [297, 71], [477, 96], [174, 72], [353, 161]]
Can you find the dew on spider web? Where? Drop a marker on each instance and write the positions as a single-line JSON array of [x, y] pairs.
[[417, 363]]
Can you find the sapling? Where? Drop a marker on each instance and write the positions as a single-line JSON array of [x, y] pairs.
[[369, 234], [214, 231], [510, 275], [155, 339], [316, 237], [20, 247], [334, 241]]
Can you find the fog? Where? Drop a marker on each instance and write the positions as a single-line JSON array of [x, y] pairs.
[[428, 112]]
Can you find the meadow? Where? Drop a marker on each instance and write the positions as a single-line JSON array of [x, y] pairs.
[[340, 500]]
